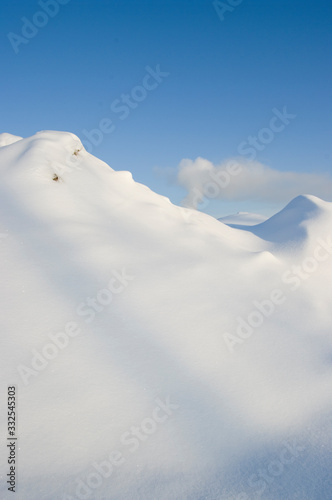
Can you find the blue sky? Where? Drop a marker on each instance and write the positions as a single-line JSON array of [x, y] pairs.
[[225, 78]]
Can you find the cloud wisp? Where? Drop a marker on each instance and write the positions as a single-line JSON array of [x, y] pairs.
[[241, 180]]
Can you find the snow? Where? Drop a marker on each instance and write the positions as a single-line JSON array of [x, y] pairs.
[[243, 218], [7, 139], [153, 306]]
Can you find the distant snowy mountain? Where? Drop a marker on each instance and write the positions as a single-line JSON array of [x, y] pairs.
[[158, 353], [243, 218]]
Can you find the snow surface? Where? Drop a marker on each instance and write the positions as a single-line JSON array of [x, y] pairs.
[[250, 415], [7, 139]]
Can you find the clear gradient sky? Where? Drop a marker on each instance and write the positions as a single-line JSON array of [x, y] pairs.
[[225, 78]]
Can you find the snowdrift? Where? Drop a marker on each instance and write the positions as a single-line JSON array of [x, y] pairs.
[[157, 352]]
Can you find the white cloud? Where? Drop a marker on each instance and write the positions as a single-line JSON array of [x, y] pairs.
[[239, 179]]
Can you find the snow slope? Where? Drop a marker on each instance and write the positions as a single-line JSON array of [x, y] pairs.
[[301, 220], [158, 353], [7, 139]]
